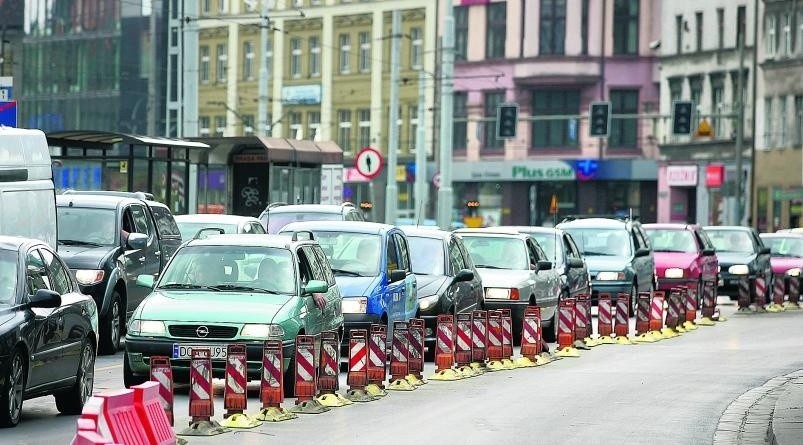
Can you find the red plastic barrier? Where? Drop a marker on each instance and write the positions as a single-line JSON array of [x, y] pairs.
[[121, 416], [329, 370], [235, 400], [566, 310], [507, 333], [479, 335], [691, 304], [358, 359], [416, 354], [494, 338], [377, 355], [306, 384], [202, 407], [400, 351], [643, 313], [672, 308], [462, 349], [709, 299], [657, 311], [622, 326], [162, 373], [531, 332], [271, 388], [444, 343], [604, 322], [744, 292], [148, 406]]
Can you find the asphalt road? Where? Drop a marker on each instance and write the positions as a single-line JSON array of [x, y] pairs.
[[673, 391]]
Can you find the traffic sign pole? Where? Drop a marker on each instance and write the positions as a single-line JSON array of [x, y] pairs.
[[447, 72], [391, 190]]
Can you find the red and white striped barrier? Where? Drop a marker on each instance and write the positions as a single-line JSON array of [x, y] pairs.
[[494, 345], [680, 305], [622, 325], [162, 373], [377, 359], [415, 357], [444, 343], [691, 305], [531, 332], [202, 405], [566, 319], [604, 321], [657, 311], [709, 301], [507, 334], [306, 383], [148, 406], [744, 293], [672, 308], [778, 290], [794, 292], [399, 357], [643, 313], [761, 292], [463, 343], [235, 399], [580, 320], [329, 364], [479, 333], [357, 377], [271, 387]]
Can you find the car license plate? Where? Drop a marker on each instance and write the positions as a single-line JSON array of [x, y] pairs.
[[184, 350]]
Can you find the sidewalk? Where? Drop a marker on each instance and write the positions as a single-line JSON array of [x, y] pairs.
[[786, 426]]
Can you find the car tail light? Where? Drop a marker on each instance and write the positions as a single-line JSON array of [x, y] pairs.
[[514, 294]]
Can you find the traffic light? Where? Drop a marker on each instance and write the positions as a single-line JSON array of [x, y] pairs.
[[681, 116], [599, 119], [507, 117]]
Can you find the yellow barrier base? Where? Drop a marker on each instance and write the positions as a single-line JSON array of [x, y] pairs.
[[331, 400], [508, 363], [680, 329], [580, 344], [791, 306], [775, 308], [495, 365], [415, 381], [274, 414], [623, 340], [203, 428], [358, 395], [705, 321], [668, 333], [689, 326], [240, 420], [592, 342], [467, 371], [309, 407], [375, 391], [401, 385], [479, 368], [568, 351], [524, 362], [447, 375], [607, 340]]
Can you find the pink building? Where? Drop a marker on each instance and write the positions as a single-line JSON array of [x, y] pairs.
[[553, 58]]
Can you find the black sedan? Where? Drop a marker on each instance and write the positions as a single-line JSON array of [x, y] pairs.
[[447, 280], [741, 253], [48, 331]]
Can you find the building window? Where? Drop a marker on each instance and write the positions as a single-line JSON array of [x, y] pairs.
[[624, 131], [222, 60], [269, 55], [294, 128], [675, 89], [460, 121], [203, 68], [786, 35], [344, 130], [248, 124], [365, 52], [248, 60], [552, 33], [413, 139], [770, 37], [496, 28], [698, 30], [584, 27], [221, 6], [768, 122], [492, 101], [679, 34], [295, 57], [555, 133], [696, 89], [206, 7], [460, 32], [313, 125], [625, 27], [314, 56], [220, 125], [741, 23], [416, 47], [203, 125], [717, 98], [720, 28], [345, 53], [364, 128], [782, 119], [798, 120]]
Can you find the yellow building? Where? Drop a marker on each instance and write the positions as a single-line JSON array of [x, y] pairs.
[[329, 74]]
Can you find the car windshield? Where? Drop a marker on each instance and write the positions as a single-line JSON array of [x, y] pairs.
[[785, 247], [547, 243], [87, 226], [278, 220], [8, 276], [231, 268], [672, 240], [426, 255], [351, 254], [189, 230], [602, 242], [496, 252], [733, 241]]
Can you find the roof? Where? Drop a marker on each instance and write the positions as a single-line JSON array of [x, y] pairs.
[[214, 218], [668, 226], [15, 242], [106, 139], [339, 226], [309, 208], [532, 229], [240, 240], [97, 201], [279, 149], [426, 232], [491, 231], [727, 228], [593, 222]]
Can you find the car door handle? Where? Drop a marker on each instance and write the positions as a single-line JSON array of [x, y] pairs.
[[157, 253], [142, 259]]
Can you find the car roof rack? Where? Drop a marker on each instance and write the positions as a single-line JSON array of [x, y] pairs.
[[205, 232], [136, 195], [568, 218], [306, 235], [276, 204]]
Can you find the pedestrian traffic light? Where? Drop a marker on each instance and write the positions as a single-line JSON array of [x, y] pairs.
[[681, 116], [507, 117], [599, 118]]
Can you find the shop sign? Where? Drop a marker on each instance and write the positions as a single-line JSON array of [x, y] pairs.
[[542, 173], [681, 175], [513, 171], [714, 175], [302, 94]]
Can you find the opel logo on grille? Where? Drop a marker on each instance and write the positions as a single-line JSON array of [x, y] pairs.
[[202, 331]]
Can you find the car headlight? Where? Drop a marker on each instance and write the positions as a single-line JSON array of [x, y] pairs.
[[89, 276], [674, 272], [739, 269], [354, 305], [146, 327], [793, 272], [262, 331], [611, 276], [426, 303], [498, 293]]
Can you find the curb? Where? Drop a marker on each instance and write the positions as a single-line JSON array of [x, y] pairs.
[[786, 426]]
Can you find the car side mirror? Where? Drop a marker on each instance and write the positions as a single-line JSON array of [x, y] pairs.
[[544, 265], [316, 287], [709, 252], [397, 275], [146, 281], [642, 252], [137, 241], [764, 251], [46, 299], [575, 263], [463, 275]]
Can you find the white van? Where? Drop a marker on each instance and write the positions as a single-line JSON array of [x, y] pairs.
[[27, 195]]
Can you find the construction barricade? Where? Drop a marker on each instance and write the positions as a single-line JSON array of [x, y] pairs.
[[604, 319], [202, 406], [760, 284], [399, 365], [671, 321], [794, 292], [709, 303], [656, 318], [162, 373], [377, 361], [306, 384], [479, 339], [566, 318], [744, 294], [680, 306], [507, 339], [357, 377], [329, 371], [778, 294], [271, 387], [494, 339], [531, 339], [148, 406], [691, 309], [445, 349], [643, 304], [415, 358], [463, 349], [582, 320], [622, 327], [235, 398]]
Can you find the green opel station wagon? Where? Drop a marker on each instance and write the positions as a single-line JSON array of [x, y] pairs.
[[232, 289]]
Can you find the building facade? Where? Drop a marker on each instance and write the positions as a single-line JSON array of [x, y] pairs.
[[778, 182], [93, 65], [700, 61], [329, 67], [553, 58]]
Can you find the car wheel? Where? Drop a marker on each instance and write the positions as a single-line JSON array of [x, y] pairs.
[[12, 392], [110, 326], [129, 378], [73, 400], [634, 299]]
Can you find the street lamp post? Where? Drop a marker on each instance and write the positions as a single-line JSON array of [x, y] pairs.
[[447, 72]]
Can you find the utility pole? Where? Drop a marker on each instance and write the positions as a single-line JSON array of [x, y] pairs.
[[421, 188], [737, 220], [189, 61], [151, 118], [391, 190], [447, 73], [264, 74]]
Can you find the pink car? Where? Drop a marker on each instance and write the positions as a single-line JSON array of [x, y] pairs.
[[684, 256], [786, 252]]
